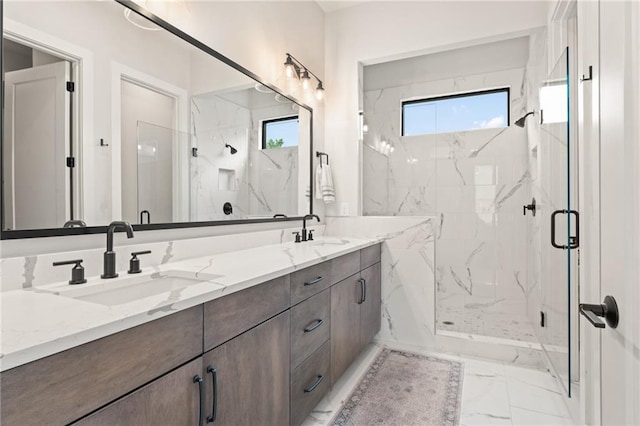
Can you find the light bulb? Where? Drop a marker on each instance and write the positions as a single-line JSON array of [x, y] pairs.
[[319, 91], [305, 80], [289, 67]]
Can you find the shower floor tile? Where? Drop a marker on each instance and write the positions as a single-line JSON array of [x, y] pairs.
[[492, 393]]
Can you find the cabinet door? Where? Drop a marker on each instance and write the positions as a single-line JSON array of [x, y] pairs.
[[173, 399], [252, 376], [371, 308], [345, 325]]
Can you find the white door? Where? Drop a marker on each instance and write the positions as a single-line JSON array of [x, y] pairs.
[[613, 354], [36, 144]]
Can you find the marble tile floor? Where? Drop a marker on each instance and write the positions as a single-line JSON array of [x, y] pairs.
[[492, 393]]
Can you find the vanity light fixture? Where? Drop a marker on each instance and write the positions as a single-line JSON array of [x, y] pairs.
[[294, 68]]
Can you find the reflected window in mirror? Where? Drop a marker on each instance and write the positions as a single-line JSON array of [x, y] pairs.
[[280, 132]]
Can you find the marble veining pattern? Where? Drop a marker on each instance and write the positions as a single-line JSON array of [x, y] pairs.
[[475, 182], [264, 181], [408, 294], [63, 322]]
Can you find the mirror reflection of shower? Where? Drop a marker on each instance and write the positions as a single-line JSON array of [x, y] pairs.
[[233, 150]]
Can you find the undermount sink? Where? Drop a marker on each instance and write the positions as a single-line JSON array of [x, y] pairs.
[[119, 292]]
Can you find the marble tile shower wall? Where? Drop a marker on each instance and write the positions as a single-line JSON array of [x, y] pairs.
[[256, 182], [214, 161], [475, 183], [273, 187]]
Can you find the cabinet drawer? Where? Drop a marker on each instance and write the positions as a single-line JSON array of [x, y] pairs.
[[310, 326], [63, 387], [228, 316], [309, 281], [309, 383], [345, 266], [173, 399], [369, 256]]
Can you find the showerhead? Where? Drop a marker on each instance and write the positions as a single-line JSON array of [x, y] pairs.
[[233, 150], [520, 122]]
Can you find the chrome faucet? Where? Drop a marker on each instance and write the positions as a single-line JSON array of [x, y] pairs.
[[304, 224], [110, 255]]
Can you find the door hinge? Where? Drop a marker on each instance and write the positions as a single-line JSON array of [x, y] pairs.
[[71, 86], [71, 162]]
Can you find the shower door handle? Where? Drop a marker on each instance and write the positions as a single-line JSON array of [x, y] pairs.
[[574, 240]]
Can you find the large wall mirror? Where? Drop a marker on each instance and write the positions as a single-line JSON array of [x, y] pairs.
[[110, 113]]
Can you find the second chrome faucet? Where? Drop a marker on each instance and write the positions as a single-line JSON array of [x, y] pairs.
[[109, 267]]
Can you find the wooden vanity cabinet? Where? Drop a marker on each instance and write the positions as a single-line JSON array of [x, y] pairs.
[[371, 308], [265, 355], [356, 312], [251, 376], [345, 325], [63, 387], [173, 399]]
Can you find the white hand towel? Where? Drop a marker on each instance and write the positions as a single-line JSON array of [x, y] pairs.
[[326, 185], [317, 189]]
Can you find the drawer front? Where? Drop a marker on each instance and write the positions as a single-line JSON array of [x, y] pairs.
[[309, 281], [306, 392], [310, 326], [231, 315], [173, 399], [345, 266], [65, 386], [369, 256]]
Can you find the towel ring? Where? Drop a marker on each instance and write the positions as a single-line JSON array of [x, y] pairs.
[[321, 154]]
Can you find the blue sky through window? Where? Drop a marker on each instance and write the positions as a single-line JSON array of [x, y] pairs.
[[455, 114], [286, 130]]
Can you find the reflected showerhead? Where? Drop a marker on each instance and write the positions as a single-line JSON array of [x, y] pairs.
[[520, 122], [233, 150]]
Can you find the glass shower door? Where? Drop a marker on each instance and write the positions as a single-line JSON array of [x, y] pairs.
[[559, 222], [163, 175]]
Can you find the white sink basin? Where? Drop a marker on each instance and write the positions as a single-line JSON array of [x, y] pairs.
[[119, 292]]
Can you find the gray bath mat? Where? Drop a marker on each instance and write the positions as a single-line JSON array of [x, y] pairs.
[[405, 389]]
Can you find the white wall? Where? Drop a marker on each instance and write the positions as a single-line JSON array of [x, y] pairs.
[[379, 31]]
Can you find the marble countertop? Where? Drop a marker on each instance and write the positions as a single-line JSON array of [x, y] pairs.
[[37, 322]]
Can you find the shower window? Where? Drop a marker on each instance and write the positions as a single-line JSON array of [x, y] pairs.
[[456, 113], [280, 132]]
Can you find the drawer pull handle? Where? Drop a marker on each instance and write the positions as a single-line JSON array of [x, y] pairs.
[[214, 396], [364, 295], [363, 290], [197, 379], [313, 387], [317, 323], [313, 281]]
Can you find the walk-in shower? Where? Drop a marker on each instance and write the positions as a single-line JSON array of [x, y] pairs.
[[474, 169]]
